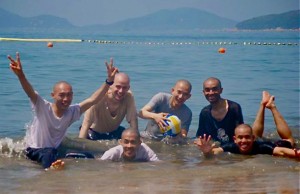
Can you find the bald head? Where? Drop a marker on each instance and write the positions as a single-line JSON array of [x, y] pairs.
[[122, 77], [131, 132], [60, 84], [243, 127], [184, 82], [212, 79]]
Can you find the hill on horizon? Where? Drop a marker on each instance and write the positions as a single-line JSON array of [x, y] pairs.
[[177, 19], [287, 20], [181, 19], [10, 20]]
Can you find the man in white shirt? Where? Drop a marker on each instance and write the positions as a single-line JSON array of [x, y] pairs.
[[51, 120], [131, 148]]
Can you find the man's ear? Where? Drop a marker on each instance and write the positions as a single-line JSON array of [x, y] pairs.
[[189, 96], [120, 141], [221, 90], [234, 138], [172, 90]]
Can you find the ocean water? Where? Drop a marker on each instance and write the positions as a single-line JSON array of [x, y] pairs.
[[253, 62]]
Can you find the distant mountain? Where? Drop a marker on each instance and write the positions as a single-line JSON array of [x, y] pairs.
[[10, 20], [167, 20], [287, 20], [181, 19]]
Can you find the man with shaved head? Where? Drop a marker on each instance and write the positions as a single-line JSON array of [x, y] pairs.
[[247, 139], [221, 116], [51, 120], [102, 121], [162, 104], [131, 148]]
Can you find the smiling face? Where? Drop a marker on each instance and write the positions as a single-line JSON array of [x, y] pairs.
[[62, 95], [130, 142], [180, 93], [244, 138], [212, 90], [120, 87]]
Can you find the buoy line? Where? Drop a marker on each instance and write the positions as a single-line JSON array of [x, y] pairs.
[[151, 43]]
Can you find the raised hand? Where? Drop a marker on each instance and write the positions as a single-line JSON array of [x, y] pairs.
[[15, 65], [204, 144], [111, 70], [265, 98], [271, 103]]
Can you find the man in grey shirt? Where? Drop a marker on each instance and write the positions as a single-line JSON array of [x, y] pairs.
[[163, 104]]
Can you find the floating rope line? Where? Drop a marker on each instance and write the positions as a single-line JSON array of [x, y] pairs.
[[151, 43]]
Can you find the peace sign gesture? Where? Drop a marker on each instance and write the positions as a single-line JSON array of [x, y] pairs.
[[15, 65], [111, 70]]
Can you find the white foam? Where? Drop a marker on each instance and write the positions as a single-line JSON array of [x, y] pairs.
[[10, 147]]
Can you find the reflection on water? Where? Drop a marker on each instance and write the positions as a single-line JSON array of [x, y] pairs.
[[182, 170]]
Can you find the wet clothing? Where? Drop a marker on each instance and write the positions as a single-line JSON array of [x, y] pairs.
[[45, 156], [222, 131], [99, 119], [259, 147], [144, 154], [161, 103], [47, 131], [116, 134]]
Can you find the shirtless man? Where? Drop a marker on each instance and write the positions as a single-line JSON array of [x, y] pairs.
[[102, 121]]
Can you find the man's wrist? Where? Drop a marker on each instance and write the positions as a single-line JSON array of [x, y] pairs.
[[109, 82]]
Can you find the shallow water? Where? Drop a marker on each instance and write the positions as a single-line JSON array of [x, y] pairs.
[[183, 169], [245, 70]]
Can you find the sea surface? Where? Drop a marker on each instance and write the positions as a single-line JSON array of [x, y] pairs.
[[254, 61]]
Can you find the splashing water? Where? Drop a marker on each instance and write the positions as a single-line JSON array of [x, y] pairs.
[[10, 148]]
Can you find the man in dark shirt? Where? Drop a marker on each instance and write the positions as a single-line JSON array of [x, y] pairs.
[[220, 118], [245, 140]]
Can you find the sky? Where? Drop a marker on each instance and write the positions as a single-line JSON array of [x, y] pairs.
[[89, 12]]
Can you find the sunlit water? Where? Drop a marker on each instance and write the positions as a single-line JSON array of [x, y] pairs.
[[154, 63]]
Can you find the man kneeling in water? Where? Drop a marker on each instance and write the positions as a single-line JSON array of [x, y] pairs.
[[51, 120], [131, 148], [244, 138]]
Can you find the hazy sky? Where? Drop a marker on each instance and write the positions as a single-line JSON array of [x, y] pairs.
[[86, 12]]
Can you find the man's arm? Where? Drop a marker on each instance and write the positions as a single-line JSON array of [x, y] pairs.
[[131, 113], [159, 118], [86, 124], [207, 147], [286, 152], [258, 124], [100, 93], [16, 67], [283, 129]]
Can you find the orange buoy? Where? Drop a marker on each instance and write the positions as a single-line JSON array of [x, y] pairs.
[[50, 44], [222, 50]]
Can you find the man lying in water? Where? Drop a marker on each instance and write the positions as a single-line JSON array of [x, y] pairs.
[[131, 148], [245, 137]]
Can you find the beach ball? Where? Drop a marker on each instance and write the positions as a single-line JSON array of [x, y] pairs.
[[173, 126]]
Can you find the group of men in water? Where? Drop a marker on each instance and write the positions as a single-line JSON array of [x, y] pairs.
[[220, 121]]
